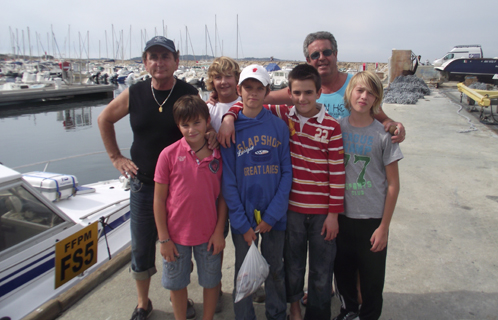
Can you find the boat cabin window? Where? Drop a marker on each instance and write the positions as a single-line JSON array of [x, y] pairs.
[[449, 56], [23, 216]]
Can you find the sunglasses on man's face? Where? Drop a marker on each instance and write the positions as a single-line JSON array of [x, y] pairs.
[[315, 55]]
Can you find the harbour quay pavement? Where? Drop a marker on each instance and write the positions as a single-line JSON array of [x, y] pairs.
[[442, 260]]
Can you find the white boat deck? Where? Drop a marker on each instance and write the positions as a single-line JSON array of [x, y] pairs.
[[107, 198]]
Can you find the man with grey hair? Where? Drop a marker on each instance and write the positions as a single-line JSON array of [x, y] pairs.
[[323, 57], [320, 51]]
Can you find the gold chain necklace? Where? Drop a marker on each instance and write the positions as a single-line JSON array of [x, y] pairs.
[[162, 104]]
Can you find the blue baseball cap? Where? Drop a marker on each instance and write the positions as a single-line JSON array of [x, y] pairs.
[[160, 41]]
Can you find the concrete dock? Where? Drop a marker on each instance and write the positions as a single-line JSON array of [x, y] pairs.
[[443, 246]]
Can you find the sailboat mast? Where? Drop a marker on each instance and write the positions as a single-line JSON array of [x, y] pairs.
[[106, 50], [87, 50], [215, 38], [29, 44], [237, 51], [12, 42], [181, 45], [37, 45], [23, 48], [113, 52], [122, 45]]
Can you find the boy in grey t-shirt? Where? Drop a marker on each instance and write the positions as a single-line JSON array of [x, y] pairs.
[[372, 187]]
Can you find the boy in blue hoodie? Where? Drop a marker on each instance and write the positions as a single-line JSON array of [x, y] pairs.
[[257, 176]]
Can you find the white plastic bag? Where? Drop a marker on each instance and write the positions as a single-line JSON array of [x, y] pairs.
[[252, 273]]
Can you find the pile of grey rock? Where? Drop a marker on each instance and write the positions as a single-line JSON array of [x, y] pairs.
[[406, 90]]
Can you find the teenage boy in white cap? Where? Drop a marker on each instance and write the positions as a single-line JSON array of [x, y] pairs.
[[258, 176]]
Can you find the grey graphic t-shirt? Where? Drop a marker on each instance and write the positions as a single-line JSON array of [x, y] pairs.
[[367, 151]]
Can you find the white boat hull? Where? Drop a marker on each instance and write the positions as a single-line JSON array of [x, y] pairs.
[[27, 273]]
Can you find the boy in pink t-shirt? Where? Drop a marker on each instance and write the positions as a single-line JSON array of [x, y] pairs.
[[188, 217]]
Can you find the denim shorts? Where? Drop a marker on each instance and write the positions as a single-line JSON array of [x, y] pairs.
[[176, 275], [143, 230]]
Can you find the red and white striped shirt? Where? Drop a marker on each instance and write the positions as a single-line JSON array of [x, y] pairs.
[[318, 174]]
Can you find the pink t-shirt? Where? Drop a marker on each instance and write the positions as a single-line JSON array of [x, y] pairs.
[[193, 189]]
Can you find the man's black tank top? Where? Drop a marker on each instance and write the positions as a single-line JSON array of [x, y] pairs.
[[153, 130]]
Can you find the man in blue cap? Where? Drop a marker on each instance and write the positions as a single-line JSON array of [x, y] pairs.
[[149, 104]]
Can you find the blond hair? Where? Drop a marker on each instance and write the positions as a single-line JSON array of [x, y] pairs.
[[223, 66], [372, 82]]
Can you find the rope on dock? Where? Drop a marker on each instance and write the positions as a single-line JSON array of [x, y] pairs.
[[472, 127]]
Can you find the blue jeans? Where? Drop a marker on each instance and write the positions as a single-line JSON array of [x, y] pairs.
[[303, 230], [272, 249], [143, 230]]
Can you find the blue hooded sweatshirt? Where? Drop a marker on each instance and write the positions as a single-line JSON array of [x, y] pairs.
[[257, 172]]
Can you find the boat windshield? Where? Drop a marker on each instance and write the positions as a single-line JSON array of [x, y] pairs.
[[23, 216]]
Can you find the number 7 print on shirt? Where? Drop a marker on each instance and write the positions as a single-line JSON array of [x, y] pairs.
[[366, 160]]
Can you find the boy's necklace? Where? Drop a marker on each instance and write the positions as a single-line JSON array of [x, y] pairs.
[[205, 141], [162, 104]]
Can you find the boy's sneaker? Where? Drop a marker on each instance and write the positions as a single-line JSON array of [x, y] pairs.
[[345, 315], [190, 309], [142, 314], [219, 304], [260, 295]]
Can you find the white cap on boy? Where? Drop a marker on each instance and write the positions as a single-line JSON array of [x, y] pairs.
[[257, 72]]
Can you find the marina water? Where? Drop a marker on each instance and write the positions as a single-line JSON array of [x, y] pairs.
[[32, 135]]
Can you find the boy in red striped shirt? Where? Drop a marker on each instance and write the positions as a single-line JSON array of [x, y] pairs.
[[317, 195]]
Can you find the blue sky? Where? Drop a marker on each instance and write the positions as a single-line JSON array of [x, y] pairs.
[[365, 32]]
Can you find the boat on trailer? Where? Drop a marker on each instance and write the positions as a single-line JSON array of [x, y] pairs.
[[54, 234], [483, 68]]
